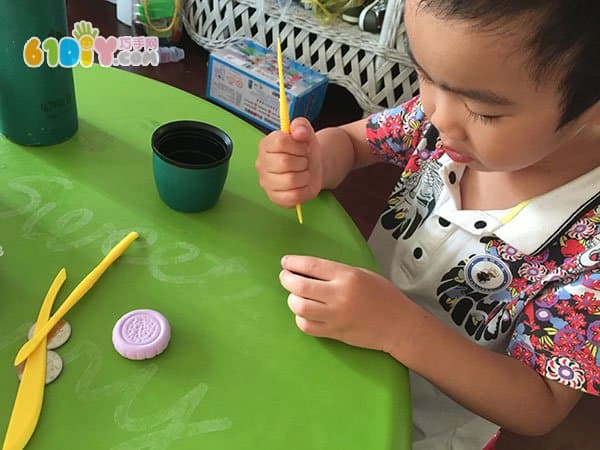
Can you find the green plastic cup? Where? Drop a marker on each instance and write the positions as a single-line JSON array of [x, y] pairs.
[[190, 161]]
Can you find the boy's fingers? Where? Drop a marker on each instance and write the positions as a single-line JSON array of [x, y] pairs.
[[322, 269], [312, 327], [281, 163], [289, 181], [302, 131], [289, 199], [309, 309], [303, 286], [283, 143]]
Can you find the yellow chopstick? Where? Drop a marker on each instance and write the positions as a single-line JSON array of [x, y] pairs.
[[284, 115], [80, 290]]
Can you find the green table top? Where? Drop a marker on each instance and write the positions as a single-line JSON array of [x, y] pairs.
[[237, 374]]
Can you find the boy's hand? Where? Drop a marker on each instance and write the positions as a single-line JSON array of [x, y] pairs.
[[289, 165], [350, 304]]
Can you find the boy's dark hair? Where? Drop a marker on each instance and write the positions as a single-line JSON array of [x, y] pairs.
[[565, 36]]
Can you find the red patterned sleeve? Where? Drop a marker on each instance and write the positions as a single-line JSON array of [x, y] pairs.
[[558, 333], [395, 133]]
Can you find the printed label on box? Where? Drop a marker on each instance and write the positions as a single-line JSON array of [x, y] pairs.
[[245, 94], [243, 77]]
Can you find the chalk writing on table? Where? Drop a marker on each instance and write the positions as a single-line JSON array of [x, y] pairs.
[[157, 430], [75, 229], [165, 261]]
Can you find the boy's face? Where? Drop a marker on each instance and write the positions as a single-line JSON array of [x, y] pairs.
[[477, 91]]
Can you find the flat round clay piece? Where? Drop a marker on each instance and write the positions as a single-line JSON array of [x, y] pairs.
[[141, 334]]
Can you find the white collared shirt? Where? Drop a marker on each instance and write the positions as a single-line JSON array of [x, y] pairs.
[[523, 281]]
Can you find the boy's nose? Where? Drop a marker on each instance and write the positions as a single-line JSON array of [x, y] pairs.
[[448, 115]]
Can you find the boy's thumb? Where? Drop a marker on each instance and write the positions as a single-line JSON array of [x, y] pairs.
[[301, 130]]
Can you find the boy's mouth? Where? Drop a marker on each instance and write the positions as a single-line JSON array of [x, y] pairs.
[[456, 156]]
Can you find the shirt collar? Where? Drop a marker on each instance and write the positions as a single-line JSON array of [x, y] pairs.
[[543, 218], [528, 227]]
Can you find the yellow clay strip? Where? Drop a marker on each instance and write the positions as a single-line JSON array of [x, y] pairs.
[[82, 288]]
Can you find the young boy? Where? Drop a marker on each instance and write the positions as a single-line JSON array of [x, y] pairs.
[[491, 239]]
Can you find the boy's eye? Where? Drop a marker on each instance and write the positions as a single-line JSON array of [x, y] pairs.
[[486, 119]]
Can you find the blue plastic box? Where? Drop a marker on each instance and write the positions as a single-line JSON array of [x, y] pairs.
[[243, 78]]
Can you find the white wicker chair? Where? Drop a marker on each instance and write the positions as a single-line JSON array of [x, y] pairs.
[[373, 67]]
